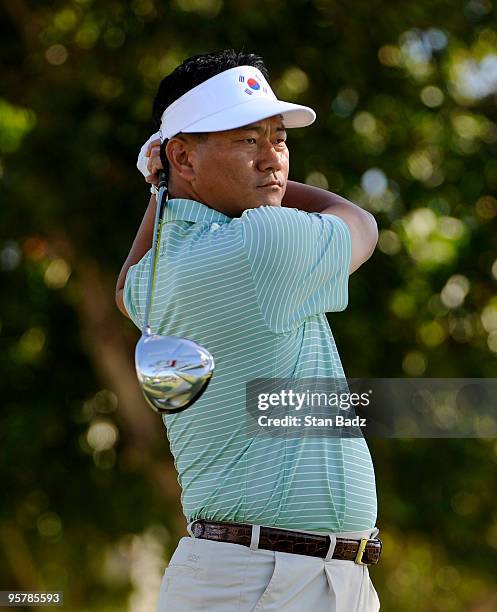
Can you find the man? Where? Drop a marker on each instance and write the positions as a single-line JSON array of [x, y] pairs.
[[248, 265]]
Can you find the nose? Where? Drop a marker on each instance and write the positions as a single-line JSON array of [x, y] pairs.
[[269, 159]]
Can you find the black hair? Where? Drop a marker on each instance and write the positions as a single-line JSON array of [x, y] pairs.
[[196, 70]]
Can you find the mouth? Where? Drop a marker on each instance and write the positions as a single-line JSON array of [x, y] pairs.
[[271, 185]]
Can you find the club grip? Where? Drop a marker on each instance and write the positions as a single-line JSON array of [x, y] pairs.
[[164, 173], [162, 179]]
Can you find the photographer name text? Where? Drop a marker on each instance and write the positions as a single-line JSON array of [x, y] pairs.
[[310, 421]]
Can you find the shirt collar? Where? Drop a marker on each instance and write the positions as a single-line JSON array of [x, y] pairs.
[[182, 209]]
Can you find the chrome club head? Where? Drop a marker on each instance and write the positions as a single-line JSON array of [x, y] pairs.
[[172, 372]]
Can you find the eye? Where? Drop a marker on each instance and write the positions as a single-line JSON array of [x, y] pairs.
[[250, 140]]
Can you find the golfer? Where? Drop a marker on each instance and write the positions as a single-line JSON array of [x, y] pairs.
[[249, 263]]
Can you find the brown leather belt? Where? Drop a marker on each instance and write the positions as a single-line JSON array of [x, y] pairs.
[[363, 552]]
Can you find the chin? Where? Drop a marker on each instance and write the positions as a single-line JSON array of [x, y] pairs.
[[269, 201]]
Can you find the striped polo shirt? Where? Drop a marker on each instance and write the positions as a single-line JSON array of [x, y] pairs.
[[253, 290]]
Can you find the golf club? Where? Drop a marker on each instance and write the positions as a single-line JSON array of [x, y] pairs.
[[172, 372]]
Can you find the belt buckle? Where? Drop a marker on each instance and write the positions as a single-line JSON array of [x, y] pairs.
[[360, 551]]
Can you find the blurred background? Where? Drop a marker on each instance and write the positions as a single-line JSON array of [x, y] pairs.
[[407, 127]]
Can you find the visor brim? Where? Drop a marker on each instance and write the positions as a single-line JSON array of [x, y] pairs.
[[294, 116]]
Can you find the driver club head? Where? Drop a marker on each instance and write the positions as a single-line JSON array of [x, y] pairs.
[[172, 372]]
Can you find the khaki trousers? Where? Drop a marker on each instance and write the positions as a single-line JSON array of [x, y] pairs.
[[222, 577]]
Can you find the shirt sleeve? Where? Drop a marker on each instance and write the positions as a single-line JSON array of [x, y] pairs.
[[300, 263], [135, 294]]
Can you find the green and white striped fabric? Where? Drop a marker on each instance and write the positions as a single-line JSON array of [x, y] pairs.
[[253, 290]]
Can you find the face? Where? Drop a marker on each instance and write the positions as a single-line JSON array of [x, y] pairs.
[[243, 168]]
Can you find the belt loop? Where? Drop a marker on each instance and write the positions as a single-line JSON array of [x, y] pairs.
[[374, 533], [254, 540], [331, 549]]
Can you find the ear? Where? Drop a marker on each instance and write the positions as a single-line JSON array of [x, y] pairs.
[[179, 154]]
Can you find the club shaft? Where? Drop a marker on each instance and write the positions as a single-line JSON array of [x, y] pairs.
[[161, 201]]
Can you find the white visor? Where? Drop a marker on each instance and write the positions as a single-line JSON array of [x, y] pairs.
[[231, 99]]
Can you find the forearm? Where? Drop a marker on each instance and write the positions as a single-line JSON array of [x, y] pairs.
[[141, 244], [314, 199]]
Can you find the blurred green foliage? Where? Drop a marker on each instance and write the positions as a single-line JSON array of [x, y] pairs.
[[407, 127]]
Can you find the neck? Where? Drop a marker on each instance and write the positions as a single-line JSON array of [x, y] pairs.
[[178, 189]]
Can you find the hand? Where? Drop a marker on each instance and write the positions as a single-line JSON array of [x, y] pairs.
[[149, 163], [154, 164]]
